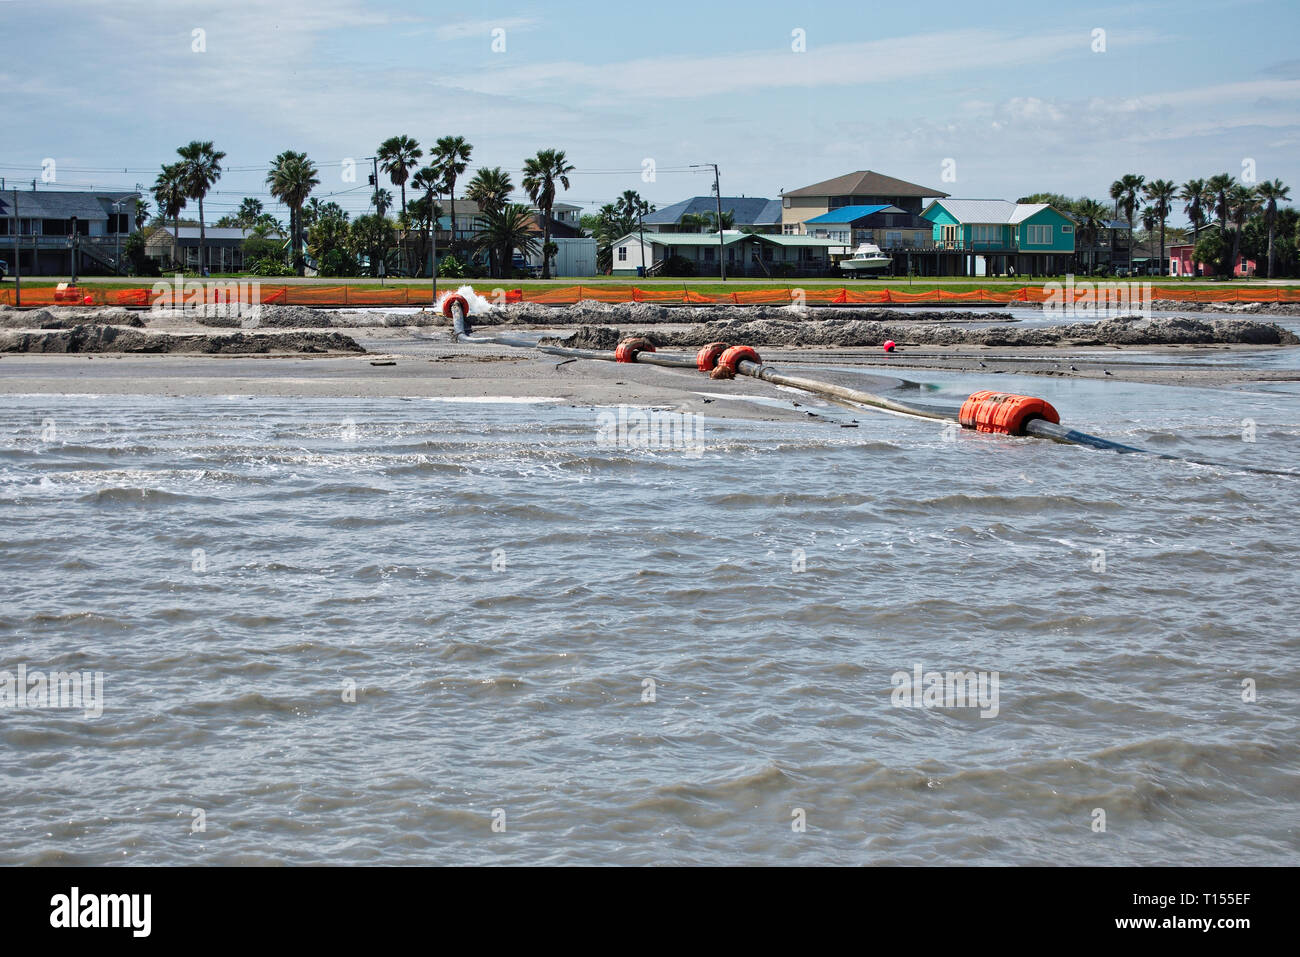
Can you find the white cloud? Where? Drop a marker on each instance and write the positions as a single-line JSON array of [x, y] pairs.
[[466, 29], [876, 62]]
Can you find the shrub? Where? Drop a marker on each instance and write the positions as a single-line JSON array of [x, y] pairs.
[[336, 262], [268, 267], [1212, 251], [450, 267], [678, 266]]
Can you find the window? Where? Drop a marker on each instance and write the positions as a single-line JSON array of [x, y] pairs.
[[622, 254], [785, 202], [1067, 229], [893, 239], [708, 254], [986, 234], [1039, 235]]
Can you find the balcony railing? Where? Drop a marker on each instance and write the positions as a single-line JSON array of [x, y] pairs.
[[978, 245]]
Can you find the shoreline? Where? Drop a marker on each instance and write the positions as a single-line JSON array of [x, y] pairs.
[[431, 366]]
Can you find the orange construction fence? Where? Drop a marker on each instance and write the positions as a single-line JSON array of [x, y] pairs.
[[414, 296]]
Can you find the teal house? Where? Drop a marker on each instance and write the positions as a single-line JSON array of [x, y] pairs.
[[991, 237]]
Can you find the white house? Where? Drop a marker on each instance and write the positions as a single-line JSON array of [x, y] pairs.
[[745, 254]]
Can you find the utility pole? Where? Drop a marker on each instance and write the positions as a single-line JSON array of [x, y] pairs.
[[18, 269], [722, 242], [722, 264], [641, 225], [117, 233], [73, 244], [433, 249]]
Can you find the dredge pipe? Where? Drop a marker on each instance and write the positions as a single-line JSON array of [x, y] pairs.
[[1029, 425]]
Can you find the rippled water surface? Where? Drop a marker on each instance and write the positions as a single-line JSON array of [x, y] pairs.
[[499, 588]]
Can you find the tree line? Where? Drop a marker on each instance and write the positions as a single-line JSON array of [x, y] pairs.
[[342, 246], [1250, 219]]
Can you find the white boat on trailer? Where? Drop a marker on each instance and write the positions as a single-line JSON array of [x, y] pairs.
[[867, 258]]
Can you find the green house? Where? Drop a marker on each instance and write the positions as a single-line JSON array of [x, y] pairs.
[[1016, 238]]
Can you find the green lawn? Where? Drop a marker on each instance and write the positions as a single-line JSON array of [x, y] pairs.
[[710, 287]]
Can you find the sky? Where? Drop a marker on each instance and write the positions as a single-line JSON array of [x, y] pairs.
[[980, 100]]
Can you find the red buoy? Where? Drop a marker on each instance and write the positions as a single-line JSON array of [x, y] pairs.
[[732, 357], [1004, 413], [627, 349], [706, 360], [450, 300]]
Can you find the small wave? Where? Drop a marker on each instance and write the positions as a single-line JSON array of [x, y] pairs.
[[118, 495]]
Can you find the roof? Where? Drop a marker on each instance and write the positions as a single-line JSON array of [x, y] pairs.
[[745, 210], [850, 214], [771, 214], [1115, 224], [865, 183], [991, 210], [559, 229], [780, 240], [216, 233], [63, 203], [1024, 210], [729, 236]]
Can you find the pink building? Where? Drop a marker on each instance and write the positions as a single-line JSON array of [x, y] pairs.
[[1180, 264]]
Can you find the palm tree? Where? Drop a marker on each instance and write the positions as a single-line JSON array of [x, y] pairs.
[[312, 213], [450, 156], [383, 201], [507, 229], [1242, 204], [693, 222], [728, 219], [430, 181], [1125, 192], [1091, 218], [1217, 187], [491, 189], [1270, 193], [398, 155], [1149, 221], [1160, 193], [202, 166], [541, 173], [423, 211], [170, 195], [1193, 198], [291, 179]]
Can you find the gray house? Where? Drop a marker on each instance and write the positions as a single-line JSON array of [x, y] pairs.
[[224, 246], [43, 228]]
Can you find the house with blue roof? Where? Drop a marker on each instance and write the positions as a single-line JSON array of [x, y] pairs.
[[989, 237], [748, 213], [860, 188], [885, 225]]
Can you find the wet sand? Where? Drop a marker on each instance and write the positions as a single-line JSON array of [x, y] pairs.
[[422, 369], [427, 364]]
